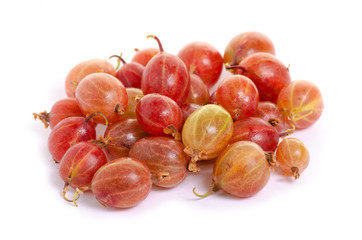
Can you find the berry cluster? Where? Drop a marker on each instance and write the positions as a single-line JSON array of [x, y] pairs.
[[161, 120]]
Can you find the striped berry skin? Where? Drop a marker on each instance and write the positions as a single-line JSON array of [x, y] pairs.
[[79, 71], [268, 73], [166, 74], [130, 74], [69, 132], [238, 95], [122, 183], [102, 92], [292, 156], [155, 112], [204, 60], [125, 132], [245, 44], [165, 159], [256, 130], [80, 163], [241, 170], [301, 103], [206, 133]]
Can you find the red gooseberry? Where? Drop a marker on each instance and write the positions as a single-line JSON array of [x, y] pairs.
[[301, 103], [79, 71], [187, 109], [166, 74], [121, 183], [292, 156], [64, 108], [256, 130], [79, 164], [143, 56], [204, 60], [133, 97], [130, 74], [245, 44], [238, 95], [199, 92], [241, 170], [159, 115], [101, 92], [164, 158]]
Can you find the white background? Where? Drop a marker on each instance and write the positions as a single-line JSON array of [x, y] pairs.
[[42, 40]]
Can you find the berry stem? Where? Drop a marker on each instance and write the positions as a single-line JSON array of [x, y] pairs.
[[120, 59], [44, 117], [212, 190], [196, 155], [77, 194], [158, 41], [94, 114], [295, 172], [172, 130], [274, 122]]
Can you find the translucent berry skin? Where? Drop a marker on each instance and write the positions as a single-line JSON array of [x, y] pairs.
[[125, 132], [122, 183], [62, 109], [143, 56], [268, 73], [270, 113], [241, 170], [301, 103], [130, 74], [80, 163], [292, 156], [199, 92], [238, 95], [164, 158], [256, 130], [206, 133], [204, 60], [67, 133], [166, 74], [187, 109], [155, 112], [101, 92], [79, 71], [115, 151], [132, 93], [246, 44]]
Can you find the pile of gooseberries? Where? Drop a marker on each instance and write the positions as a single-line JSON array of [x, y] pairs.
[[162, 113]]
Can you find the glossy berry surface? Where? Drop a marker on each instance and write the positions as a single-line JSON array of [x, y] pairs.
[[165, 159], [69, 132], [122, 183], [206, 133], [238, 95], [130, 74], [101, 92], [79, 71], [256, 130], [199, 92], [270, 113], [143, 56], [62, 109], [292, 156], [301, 103], [125, 132], [80, 163], [268, 73], [156, 112], [204, 60], [246, 44], [166, 74]]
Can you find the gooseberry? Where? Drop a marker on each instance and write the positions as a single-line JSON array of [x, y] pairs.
[[143, 56], [130, 74]]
